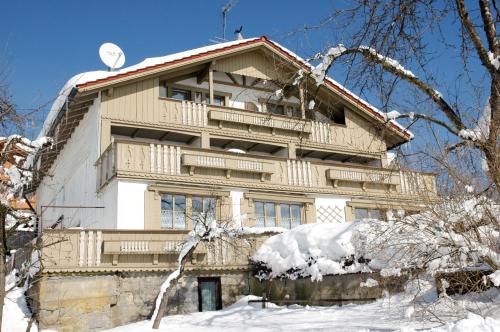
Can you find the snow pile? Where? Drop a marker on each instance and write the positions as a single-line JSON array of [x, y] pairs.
[[393, 115], [495, 278], [310, 250], [454, 235], [481, 132], [494, 60], [15, 311], [369, 283], [473, 323]]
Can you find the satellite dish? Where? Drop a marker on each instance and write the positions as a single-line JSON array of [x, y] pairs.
[[112, 55]]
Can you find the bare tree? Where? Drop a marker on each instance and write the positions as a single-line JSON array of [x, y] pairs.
[[14, 150], [381, 41]]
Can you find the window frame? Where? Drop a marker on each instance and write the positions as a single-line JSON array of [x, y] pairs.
[[172, 212]]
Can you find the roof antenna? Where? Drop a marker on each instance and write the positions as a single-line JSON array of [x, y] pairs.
[[238, 34], [225, 10]]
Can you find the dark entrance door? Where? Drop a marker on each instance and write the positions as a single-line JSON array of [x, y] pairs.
[[209, 294]]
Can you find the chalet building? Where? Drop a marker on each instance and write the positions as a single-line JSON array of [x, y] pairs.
[[220, 131]]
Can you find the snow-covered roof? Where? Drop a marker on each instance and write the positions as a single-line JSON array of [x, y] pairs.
[[88, 79]]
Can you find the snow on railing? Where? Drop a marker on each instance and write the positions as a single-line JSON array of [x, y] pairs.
[[165, 159], [320, 132], [194, 114], [299, 173]]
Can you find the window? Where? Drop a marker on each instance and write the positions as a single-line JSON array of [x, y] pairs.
[[181, 94], [290, 215], [198, 97], [173, 211], [218, 100], [365, 213], [293, 112], [275, 109], [265, 214], [203, 210]]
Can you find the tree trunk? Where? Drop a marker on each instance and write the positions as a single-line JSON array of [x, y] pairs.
[[3, 252], [164, 300]]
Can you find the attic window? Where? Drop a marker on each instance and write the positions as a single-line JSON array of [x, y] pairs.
[[179, 94], [336, 115]]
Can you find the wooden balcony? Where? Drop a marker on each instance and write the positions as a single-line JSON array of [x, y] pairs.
[[78, 250], [166, 113], [160, 162]]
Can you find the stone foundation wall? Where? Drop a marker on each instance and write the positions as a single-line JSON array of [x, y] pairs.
[[333, 289], [92, 303]]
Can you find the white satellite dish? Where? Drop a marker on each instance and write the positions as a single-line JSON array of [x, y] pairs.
[[112, 56]]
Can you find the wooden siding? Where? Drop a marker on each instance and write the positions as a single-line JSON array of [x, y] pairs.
[[138, 104], [111, 250]]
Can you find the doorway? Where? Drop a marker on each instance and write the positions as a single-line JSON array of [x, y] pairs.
[[209, 294]]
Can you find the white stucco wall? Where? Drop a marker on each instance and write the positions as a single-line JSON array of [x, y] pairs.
[[236, 198], [130, 204], [72, 180], [330, 208]]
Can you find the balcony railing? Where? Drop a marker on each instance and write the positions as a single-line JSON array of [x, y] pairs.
[[73, 250], [161, 162]]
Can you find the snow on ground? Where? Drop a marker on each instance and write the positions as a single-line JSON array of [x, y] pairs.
[[395, 313], [15, 310]]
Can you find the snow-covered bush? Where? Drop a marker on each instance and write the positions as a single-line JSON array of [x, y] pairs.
[[451, 236]]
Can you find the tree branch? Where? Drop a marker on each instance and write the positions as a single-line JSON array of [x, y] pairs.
[[474, 36], [489, 26]]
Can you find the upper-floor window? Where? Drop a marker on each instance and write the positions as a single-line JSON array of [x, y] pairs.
[[181, 94], [265, 214], [290, 215], [288, 110], [275, 109], [173, 211]]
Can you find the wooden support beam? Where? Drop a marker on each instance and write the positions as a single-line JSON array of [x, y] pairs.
[[253, 146], [163, 136], [202, 74], [307, 154], [134, 133], [231, 77], [211, 85], [228, 144], [255, 82], [328, 156], [279, 148]]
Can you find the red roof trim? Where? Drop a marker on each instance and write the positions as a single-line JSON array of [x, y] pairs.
[[255, 41]]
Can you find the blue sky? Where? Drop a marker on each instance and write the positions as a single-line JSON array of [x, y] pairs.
[[44, 43]]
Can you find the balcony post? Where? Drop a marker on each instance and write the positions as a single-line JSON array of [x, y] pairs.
[[302, 98], [211, 83]]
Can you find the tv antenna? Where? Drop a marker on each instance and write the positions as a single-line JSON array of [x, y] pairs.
[[225, 10], [112, 56]]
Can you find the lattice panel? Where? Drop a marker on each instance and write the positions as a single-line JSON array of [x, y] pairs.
[[330, 214]]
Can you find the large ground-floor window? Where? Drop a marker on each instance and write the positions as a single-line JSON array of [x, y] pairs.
[[177, 210], [204, 210], [367, 213], [173, 211], [271, 214]]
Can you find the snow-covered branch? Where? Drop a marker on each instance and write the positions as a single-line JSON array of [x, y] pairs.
[[392, 66]]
